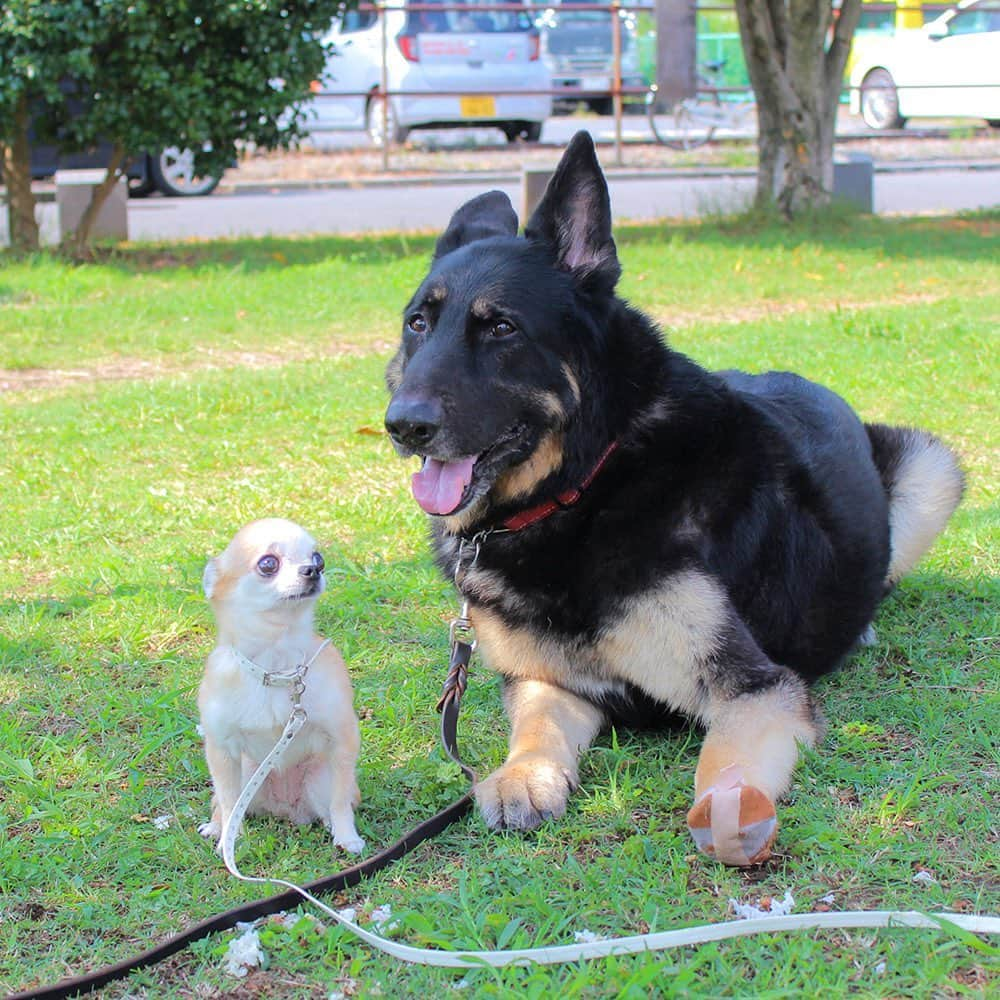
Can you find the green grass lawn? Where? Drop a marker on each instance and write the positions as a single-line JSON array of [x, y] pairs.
[[159, 399]]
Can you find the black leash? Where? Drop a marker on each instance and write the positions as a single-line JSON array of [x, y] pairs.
[[448, 706]]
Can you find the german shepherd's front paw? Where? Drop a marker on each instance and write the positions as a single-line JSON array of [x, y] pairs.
[[524, 793], [735, 825]]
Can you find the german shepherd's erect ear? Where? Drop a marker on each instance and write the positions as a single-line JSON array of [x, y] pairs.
[[489, 214], [574, 218]]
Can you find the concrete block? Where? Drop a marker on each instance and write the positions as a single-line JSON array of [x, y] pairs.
[[533, 184], [73, 192], [854, 181]]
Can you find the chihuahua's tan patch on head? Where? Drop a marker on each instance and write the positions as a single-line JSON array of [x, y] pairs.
[[263, 589]]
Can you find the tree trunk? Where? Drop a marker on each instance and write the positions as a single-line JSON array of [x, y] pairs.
[[795, 54], [17, 179], [78, 241]]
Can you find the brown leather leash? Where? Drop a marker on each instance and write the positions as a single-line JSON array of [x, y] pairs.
[[448, 706]]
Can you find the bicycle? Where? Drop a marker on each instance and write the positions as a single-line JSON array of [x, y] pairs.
[[694, 120]]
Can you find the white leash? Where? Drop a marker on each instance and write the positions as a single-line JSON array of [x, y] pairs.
[[659, 941]]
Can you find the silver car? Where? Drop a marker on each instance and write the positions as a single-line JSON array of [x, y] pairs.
[[461, 65]]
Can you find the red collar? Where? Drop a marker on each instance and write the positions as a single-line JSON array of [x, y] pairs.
[[561, 500]]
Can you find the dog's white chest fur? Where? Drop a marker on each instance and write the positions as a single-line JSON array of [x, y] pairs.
[[245, 716]]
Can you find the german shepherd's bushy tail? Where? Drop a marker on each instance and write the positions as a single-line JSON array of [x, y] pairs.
[[924, 484]]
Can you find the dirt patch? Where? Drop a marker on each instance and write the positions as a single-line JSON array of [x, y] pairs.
[[29, 380], [14, 380], [429, 154]]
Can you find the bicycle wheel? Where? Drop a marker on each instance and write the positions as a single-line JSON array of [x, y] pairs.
[[687, 124]]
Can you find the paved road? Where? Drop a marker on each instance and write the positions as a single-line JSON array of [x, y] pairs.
[[395, 206]]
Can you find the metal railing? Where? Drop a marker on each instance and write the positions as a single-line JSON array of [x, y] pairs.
[[618, 91]]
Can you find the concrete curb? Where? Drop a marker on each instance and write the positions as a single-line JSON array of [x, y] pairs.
[[613, 174]]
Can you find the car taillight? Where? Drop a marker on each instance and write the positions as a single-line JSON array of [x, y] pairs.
[[408, 46], [534, 47]]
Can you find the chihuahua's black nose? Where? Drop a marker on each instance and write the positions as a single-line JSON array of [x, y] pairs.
[[310, 572], [414, 421]]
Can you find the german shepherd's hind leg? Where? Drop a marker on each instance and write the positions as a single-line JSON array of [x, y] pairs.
[[746, 763], [549, 728]]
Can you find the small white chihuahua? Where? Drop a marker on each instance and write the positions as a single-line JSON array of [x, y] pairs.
[[263, 590]]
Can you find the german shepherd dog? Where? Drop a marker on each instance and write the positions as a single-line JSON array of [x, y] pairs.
[[637, 536]]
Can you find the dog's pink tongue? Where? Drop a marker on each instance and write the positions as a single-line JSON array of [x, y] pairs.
[[438, 486]]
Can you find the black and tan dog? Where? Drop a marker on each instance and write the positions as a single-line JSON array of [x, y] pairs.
[[642, 536]]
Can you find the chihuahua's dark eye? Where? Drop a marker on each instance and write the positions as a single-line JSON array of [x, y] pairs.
[[417, 324], [268, 565], [319, 562], [502, 328]]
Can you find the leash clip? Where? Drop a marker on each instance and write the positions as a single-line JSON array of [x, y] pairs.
[[461, 629]]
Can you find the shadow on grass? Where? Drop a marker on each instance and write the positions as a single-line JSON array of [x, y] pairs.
[[961, 237]]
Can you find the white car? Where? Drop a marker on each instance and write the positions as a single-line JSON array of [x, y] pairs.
[[445, 68], [950, 68]]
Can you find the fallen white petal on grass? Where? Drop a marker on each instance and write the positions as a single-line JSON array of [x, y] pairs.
[[924, 878], [348, 913], [587, 937], [778, 908], [828, 898], [244, 952], [162, 822], [382, 919]]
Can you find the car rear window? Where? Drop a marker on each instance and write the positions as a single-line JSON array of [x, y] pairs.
[[467, 17]]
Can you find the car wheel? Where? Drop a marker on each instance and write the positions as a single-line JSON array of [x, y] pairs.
[[141, 187], [993, 122], [381, 126], [880, 101], [528, 131], [174, 174]]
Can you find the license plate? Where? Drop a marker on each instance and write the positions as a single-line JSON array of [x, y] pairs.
[[595, 83], [477, 107]]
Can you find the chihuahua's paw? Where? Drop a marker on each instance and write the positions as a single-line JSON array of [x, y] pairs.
[[213, 828], [352, 844], [524, 793], [734, 823], [345, 836]]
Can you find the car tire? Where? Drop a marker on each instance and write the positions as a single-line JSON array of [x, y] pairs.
[[396, 133], [603, 106], [880, 101], [142, 187], [993, 122], [172, 170], [528, 131]]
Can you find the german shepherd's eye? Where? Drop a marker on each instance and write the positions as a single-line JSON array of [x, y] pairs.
[[417, 324], [502, 328], [268, 565]]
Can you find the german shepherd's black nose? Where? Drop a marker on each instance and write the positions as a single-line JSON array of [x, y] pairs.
[[413, 421]]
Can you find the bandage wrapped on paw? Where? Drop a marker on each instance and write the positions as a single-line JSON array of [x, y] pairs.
[[733, 822]]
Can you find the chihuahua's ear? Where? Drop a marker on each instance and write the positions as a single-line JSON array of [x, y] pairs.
[[210, 577]]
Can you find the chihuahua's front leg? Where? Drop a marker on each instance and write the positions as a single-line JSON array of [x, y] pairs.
[[549, 728], [227, 776], [344, 792]]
